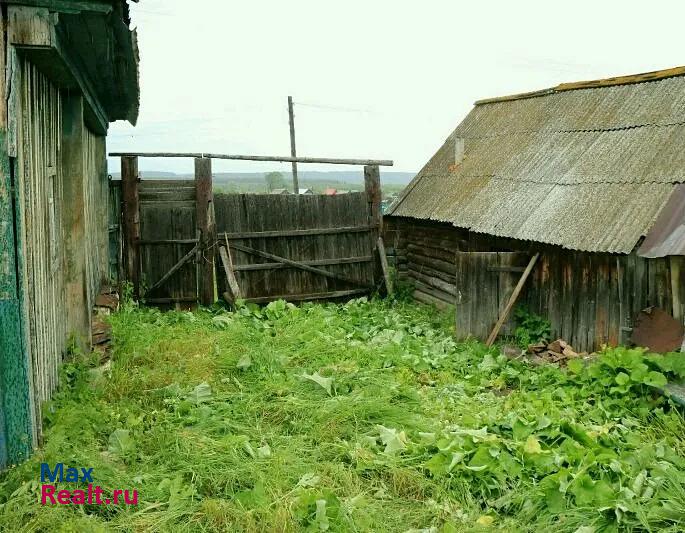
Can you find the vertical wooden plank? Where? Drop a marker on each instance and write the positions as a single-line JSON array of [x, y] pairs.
[[205, 223], [131, 215]]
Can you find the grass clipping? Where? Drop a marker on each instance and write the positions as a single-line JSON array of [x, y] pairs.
[[366, 416]]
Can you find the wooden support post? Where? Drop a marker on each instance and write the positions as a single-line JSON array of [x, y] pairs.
[[675, 262], [131, 213], [204, 216], [293, 152], [372, 187], [512, 300]]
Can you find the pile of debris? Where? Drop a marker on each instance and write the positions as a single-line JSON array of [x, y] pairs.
[[558, 352]]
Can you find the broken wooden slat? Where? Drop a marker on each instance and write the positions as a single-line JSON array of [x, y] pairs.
[[305, 297], [230, 275], [296, 232], [295, 264], [314, 262], [512, 299]]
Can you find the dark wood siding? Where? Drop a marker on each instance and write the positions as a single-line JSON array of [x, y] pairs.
[[591, 299]]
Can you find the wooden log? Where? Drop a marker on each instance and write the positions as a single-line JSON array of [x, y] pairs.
[[131, 216], [436, 293], [437, 283], [296, 264], [436, 264], [230, 276], [430, 300], [428, 251], [384, 265], [512, 300], [281, 159], [204, 206]]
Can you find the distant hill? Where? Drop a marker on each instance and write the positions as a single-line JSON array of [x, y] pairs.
[[388, 177]]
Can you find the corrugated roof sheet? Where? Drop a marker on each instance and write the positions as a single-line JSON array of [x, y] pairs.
[[586, 169], [667, 236]]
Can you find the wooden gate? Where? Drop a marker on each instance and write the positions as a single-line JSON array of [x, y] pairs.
[[295, 247], [484, 284], [168, 241]]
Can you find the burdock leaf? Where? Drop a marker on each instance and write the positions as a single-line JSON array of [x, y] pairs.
[[244, 362], [326, 383], [120, 442], [393, 440], [201, 393]]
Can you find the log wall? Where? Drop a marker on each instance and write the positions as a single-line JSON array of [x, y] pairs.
[[590, 299]]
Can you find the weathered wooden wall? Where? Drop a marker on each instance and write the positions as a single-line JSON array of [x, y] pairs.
[[289, 227], [40, 182], [589, 298]]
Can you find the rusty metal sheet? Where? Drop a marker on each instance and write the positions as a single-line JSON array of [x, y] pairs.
[[657, 330]]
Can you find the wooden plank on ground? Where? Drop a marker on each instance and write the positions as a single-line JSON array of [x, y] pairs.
[[384, 265], [230, 275]]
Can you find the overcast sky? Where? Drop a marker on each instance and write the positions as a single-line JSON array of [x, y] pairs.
[[378, 79]]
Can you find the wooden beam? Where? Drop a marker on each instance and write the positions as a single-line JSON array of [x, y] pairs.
[[316, 262], [175, 268], [281, 159], [230, 275], [296, 264], [295, 232], [384, 265], [131, 220], [147, 242], [512, 300], [66, 6], [305, 297], [204, 216], [372, 186], [675, 262]]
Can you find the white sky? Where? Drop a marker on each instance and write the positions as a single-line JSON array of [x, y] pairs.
[[215, 74]]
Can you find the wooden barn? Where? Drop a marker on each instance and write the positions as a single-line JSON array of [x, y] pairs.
[[69, 68], [580, 174]]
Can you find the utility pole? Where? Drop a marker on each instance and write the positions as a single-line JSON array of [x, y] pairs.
[[293, 152]]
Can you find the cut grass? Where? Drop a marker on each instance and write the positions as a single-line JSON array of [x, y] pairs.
[[358, 417]]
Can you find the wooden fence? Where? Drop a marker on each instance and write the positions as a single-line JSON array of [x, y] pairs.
[[183, 245], [330, 235]]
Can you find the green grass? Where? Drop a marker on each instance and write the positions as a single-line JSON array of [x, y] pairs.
[[358, 417]]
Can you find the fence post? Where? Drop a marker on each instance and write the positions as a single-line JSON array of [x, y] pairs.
[[204, 216], [131, 212], [372, 187]]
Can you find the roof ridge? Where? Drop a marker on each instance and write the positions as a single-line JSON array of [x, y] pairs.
[[591, 84]]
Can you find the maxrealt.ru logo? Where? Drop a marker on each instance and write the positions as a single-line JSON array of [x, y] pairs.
[[92, 495]]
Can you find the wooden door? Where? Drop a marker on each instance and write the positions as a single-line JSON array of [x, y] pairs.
[[484, 283]]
